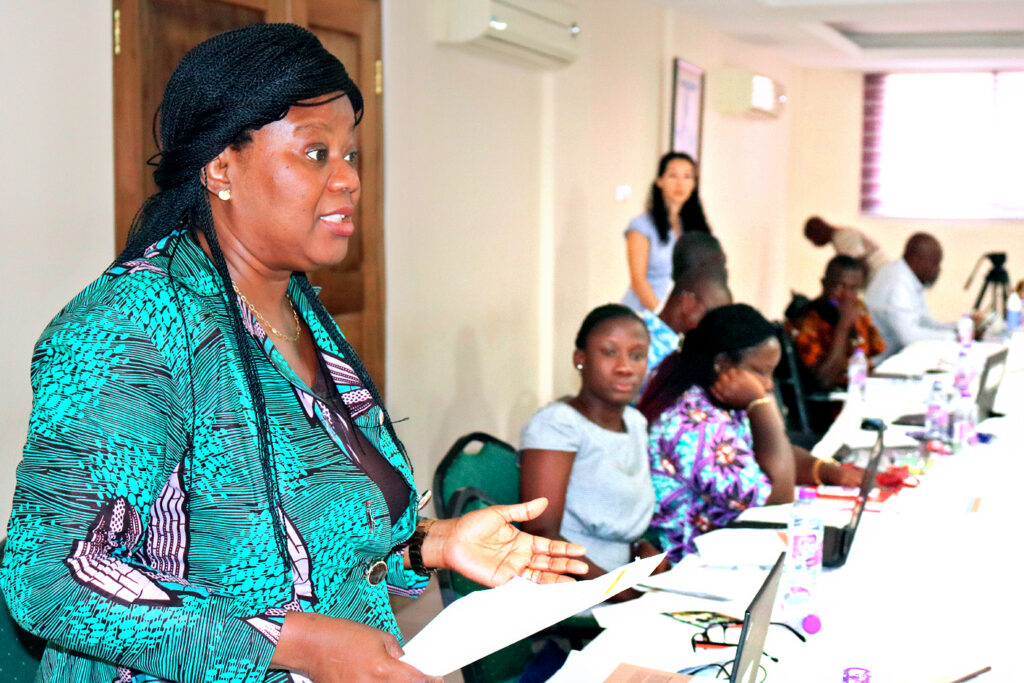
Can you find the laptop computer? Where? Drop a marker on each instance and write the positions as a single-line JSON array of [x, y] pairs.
[[749, 647], [988, 383], [756, 621], [838, 540], [988, 387]]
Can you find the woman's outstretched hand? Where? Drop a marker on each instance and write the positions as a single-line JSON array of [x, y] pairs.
[[482, 545]]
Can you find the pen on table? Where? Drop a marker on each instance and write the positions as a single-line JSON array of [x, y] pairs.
[[970, 675], [677, 591]]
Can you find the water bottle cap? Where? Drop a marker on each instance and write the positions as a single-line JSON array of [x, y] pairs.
[[811, 624], [808, 494]]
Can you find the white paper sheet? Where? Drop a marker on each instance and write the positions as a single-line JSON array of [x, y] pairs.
[[486, 621], [694, 578], [663, 643], [740, 547]]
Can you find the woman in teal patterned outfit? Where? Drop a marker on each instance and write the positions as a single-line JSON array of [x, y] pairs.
[[211, 489]]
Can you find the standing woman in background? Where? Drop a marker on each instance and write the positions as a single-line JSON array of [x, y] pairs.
[[673, 208]]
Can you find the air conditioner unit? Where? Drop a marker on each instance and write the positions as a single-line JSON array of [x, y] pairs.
[[741, 91], [538, 33]]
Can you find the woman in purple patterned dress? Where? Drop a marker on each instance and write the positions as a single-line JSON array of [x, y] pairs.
[[717, 441]]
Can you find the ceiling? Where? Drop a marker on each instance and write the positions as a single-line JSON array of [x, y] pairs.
[[874, 35]]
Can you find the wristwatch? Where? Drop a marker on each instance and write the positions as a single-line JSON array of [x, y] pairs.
[[415, 548]]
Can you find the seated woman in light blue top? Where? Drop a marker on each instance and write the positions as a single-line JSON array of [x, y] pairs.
[[587, 454], [673, 208]]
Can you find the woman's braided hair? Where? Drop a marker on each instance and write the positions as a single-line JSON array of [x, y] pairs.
[[222, 90]]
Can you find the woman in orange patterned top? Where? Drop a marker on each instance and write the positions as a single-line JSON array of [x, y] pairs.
[[837, 323]]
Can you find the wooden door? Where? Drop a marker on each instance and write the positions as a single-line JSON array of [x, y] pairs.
[[151, 36]]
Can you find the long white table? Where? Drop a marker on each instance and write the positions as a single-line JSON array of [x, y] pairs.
[[930, 591]]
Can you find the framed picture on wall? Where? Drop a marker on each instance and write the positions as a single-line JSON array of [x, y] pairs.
[[687, 107]]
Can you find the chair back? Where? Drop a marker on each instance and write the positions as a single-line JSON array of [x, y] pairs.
[[789, 384], [20, 651], [477, 471], [481, 462]]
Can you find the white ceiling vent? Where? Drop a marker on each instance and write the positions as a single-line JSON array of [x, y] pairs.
[[538, 33]]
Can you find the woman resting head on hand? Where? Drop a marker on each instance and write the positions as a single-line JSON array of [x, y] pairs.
[[587, 453], [718, 443], [211, 488]]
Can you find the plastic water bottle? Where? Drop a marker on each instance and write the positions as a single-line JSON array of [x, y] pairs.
[[962, 374], [1013, 307], [965, 330], [965, 421], [857, 375], [936, 416], [806, 534]]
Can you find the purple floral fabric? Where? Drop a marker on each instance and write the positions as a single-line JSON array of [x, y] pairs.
[[703, 470]]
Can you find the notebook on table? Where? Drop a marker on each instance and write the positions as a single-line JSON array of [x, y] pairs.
[[749, 647], [838, 540]]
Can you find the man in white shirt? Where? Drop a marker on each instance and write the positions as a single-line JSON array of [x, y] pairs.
[[848, 242], [896, 298]]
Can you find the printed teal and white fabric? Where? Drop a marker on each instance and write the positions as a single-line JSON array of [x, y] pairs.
[[141, 542], [664, 340]]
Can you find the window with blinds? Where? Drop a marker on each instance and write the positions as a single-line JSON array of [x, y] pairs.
[[943, 145]]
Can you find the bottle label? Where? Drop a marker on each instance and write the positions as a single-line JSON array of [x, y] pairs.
[[856, 674], [936, 420], [1012, 320], [807, 550]]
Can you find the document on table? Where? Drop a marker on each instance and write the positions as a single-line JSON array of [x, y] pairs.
[[740, 547], [486, 621]]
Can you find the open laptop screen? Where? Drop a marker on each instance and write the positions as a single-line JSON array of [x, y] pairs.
[[866, 485], [755, 627], [988, 385]]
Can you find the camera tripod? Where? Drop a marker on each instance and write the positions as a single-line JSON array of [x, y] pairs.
[[997, 278]]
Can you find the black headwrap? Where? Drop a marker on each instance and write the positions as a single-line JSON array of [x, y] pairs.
[[224, 88], [728, 329]]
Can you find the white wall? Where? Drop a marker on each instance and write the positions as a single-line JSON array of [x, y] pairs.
[[56, 185], [461, 240]]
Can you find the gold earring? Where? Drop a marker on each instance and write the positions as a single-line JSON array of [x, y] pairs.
[[224, 194]]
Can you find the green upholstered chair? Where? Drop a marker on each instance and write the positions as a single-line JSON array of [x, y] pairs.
[[481, 462], [481, 470]]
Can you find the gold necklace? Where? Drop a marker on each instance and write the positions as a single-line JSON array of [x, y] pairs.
[[266, 323]]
